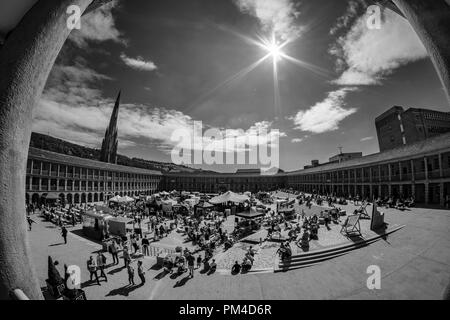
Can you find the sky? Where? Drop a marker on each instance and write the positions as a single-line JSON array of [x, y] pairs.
[[177, 62]]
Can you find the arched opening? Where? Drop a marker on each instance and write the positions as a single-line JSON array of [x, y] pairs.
[[35, 199], [69, 198], [95, 197], [62, 199], [89, 198], [77, 198], [83, 198]]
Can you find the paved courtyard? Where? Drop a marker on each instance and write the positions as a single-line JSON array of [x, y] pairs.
[[414, 263]]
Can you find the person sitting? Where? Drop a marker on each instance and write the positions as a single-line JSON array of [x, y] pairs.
[[246, 265], [236, 268], [314, 232]]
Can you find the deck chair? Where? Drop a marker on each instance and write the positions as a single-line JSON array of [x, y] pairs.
[[352, 226], [362, 211]]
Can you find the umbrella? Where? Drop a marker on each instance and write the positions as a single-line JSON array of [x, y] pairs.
[[229, 197]]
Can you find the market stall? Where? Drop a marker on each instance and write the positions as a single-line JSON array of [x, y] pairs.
[[95, 225], [249, 221]]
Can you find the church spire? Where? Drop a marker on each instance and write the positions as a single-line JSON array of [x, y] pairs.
[[109, 144]]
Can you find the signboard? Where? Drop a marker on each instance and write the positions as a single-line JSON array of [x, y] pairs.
[[377, 219]]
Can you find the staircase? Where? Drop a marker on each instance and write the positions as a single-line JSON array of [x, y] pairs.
[[312, 258]]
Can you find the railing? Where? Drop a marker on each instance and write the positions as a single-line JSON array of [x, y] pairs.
[[406, 177], [446, 173], [419, 176], [435, 174], [156, 251]]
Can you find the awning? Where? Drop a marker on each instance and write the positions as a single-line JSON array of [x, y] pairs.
[[229, 197], [126, 199], [114, 199], [252, 214]]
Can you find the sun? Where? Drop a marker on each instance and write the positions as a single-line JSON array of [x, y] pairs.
[[274, 49]]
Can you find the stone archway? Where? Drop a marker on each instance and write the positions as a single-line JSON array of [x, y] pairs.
[[69, 198]]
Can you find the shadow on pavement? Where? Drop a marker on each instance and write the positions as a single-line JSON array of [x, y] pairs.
[[116, 270], [161, 275], [124, 291], [182, 282], [56, 244]]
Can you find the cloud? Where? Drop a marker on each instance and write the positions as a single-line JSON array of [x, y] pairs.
[[277, 16], [366, 139], [73, 108], [297, 140], [344, 21], [366, 57], [98, 26], [326, 115], [138, 63]]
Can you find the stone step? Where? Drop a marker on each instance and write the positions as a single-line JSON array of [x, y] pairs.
[[315, 257]]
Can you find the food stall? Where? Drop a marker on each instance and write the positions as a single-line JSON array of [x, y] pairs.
[[202, 208], [249, 221], [95, 224], [119, 226]]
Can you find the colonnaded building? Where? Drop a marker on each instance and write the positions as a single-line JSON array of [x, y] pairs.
[[420, 170]]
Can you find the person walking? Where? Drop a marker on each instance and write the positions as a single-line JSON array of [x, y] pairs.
[[141, 272], [101, 262], [114, 252], [145, 243], [64, 234], [30, 223], [199, 261], [191, 263], [130, 274], [92, 268]]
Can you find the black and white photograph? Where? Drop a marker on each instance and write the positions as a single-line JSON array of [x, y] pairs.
[[225, 151]]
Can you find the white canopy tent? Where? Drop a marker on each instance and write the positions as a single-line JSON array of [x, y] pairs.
[[229, 197]]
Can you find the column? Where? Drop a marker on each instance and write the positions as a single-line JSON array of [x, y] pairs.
[[430, 21]]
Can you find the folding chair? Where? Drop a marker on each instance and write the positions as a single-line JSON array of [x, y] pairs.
[[352, 226], [362, 211]]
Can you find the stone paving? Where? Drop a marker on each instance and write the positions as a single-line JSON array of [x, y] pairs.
[[415, 264]]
